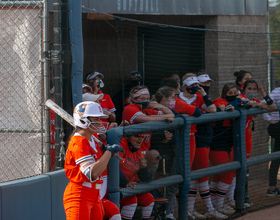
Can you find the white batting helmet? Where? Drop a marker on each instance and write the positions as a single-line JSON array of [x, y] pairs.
[[84, 110]]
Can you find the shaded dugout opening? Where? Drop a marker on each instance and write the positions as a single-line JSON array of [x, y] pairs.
[[115, 47]]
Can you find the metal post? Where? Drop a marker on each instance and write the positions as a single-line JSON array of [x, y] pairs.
[[186, 169], [240, 155], [46, 55], [114, 137], [56, 61]]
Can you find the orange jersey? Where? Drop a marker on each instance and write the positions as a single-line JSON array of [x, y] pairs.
[[107, 105], [184, 108], [130, 163], [250, 117], [218, 102], [80, 150], [130, 113], [198, 101]]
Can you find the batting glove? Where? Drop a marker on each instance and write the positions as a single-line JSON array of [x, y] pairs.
[[115, 148]]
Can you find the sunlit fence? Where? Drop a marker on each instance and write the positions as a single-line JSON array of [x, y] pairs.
[[21, 127]]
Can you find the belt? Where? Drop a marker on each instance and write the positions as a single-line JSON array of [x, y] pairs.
[[89, 185]]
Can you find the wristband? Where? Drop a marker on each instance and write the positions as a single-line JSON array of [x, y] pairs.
[[207, 100], [268, 100]]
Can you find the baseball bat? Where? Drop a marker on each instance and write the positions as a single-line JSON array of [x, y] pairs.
[[60, 111], [63, 114]]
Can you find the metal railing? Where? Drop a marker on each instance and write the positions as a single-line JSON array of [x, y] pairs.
[[182, 125]]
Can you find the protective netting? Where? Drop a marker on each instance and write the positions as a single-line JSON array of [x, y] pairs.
[[21, 90], [147, 50], [157, 48]]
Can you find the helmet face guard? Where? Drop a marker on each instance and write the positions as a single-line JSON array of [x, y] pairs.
[[84, 110], [101, 129]]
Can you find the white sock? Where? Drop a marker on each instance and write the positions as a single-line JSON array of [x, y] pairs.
[[128, 211], [116, 217], [147, 211], [213, 193], [230, 192], [222, 189], [204, 192], [192, 194]]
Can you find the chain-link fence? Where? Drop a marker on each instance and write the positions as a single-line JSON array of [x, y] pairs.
[[115, 46], [21, 90]]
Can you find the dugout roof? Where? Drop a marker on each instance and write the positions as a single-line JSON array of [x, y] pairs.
[[175, 7], [179, 7]]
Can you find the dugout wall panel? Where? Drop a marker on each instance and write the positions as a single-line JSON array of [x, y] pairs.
[[58, 183], [26, 199]]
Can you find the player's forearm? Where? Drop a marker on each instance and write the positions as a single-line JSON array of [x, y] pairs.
[[166, 110], [271, 107], [145, 118], [99, 167], [211, 108], [112, 117]]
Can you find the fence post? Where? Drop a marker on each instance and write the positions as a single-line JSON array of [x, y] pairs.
[[240, 155], [184, 161], [46, 66], [114, 136]]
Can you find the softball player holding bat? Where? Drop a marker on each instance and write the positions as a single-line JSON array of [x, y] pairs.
[[84, 164]]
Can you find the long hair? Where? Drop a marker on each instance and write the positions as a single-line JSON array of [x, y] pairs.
[[240, 75], [164, 91], [227, 87]]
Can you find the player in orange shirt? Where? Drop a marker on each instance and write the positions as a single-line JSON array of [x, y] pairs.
[[250, 93], [143, 110], [94, 80], [135, 169], [84, 164], [193, 94]]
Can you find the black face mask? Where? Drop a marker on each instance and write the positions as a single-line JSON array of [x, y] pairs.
[[135, 82], [131, 147], [192, 90], [230, 98], [143, 104], [206, 89]]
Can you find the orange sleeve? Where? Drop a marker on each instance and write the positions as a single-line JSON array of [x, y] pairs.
[[183, 108]]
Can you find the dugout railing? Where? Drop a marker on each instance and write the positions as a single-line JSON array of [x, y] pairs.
[[181, 126]]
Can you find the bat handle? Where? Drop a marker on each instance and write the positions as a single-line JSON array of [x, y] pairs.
[[117, 156]]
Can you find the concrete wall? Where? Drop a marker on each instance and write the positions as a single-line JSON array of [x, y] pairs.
[[229, 52]]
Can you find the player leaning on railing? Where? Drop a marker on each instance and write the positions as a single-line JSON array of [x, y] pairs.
[[141, 110], [135, 169], [221, 148], [250, 93]]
